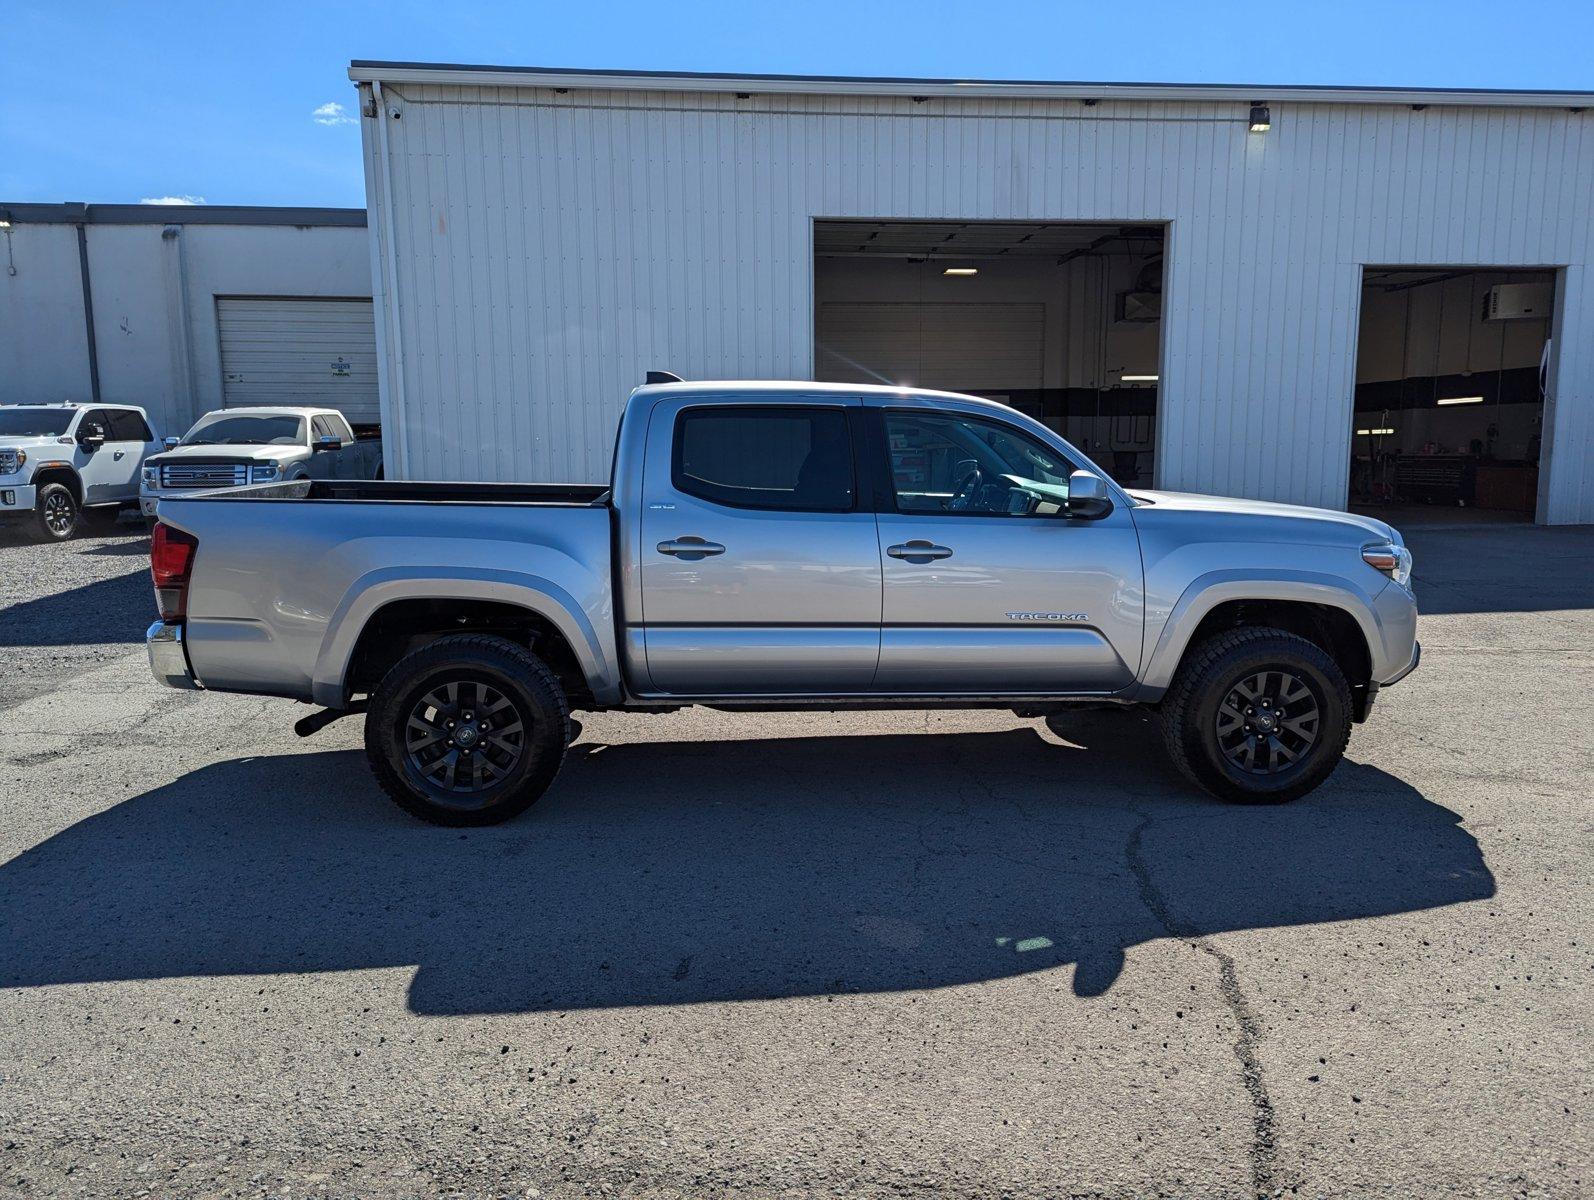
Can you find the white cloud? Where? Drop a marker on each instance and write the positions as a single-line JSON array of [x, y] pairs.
[[332, 113], [172, 200]]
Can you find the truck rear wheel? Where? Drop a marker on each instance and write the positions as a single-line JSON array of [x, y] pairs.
[[467, 730], [1257, 716]]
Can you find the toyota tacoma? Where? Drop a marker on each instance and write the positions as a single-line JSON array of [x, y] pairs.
[[781, 546]]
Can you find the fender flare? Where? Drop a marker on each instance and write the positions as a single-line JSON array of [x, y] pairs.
[[1207, 591], [534, 593], [58, 471]]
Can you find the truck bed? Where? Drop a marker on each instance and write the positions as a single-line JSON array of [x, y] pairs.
[[285, 575]]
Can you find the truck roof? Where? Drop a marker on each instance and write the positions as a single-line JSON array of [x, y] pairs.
[[295, 410], [72, 404], [799, 387]]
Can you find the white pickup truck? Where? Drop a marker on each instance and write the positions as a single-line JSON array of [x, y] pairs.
[[232, 447], [62, 465]]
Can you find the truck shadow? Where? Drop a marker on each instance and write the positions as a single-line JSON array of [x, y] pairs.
[[681, 872], [108, 611]]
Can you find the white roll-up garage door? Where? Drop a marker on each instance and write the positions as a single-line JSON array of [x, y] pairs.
[[989, 347], [299, 350]]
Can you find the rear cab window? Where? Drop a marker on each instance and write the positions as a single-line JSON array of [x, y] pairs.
[[795, 459]]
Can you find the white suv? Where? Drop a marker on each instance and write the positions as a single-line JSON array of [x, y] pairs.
[[62, 464]]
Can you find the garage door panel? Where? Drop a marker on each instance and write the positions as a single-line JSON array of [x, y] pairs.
[[935, 345], [299, 350]]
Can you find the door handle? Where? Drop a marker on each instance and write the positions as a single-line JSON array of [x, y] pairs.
[[118, 455], [690, 548], [918, 551]]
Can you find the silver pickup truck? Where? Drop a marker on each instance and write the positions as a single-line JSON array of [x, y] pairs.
[[784, 546]]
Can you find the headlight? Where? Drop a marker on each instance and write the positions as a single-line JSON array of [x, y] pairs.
[[151, 476], [12, 461], [1391, 558], [264, 472]]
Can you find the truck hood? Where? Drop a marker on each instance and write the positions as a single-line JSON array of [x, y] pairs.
[[229, 454], [61, 447], [1324, 520]]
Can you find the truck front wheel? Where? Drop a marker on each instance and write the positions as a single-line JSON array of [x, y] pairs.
[[56, 516], [1257, 716], [467, 730]]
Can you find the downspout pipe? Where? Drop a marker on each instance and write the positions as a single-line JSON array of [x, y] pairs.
[[182, 354], [88, 310], [393, 432]]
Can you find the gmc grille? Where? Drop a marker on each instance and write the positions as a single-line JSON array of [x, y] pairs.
[[204, 475]]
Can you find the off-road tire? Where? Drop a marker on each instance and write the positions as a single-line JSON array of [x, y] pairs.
[[1189, 713], [53, 499], [484, 662]]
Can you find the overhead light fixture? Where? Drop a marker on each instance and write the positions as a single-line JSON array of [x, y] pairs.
[[1137, 379], [961, 271], [1372, 432], [1461, 400], [1261, 121]]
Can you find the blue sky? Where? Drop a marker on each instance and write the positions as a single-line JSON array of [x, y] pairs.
[[118, 102]]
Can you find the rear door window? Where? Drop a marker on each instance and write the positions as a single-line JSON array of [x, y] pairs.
[[127, 426], [795, 459]]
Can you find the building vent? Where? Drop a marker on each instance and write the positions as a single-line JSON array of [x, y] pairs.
[[1518, 302], [1140, 307]]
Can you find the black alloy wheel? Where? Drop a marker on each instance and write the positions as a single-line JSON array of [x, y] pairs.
[[462, 736], [1268, 721], [1257, 715], [470, 729]]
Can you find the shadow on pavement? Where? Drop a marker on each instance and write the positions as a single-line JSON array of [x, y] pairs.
[[112, 610], [679, 872]]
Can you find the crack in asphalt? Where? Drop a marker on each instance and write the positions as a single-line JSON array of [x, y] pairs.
[[1263, 1154]]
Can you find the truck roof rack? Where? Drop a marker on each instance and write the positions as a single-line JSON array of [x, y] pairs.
[[664, 377]]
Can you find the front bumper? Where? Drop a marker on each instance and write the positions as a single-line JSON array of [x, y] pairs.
[[1416, 657], [17, 498], [168, 658]]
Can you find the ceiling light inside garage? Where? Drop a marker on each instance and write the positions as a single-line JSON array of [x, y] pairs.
[[1461, 400], [961, 271], [1138, 378]]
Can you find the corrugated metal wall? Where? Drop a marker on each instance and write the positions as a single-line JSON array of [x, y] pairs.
[[547, 248]]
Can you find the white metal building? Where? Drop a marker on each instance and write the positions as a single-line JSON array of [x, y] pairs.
[[183, 308], [1212, 288]]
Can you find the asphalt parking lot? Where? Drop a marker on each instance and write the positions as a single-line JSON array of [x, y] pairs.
[[934, 954]]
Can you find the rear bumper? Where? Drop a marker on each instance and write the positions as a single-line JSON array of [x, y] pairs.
[[17, 499], [168, 657]]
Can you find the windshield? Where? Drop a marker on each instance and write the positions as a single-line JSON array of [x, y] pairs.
[[35, 422], [239, 430]]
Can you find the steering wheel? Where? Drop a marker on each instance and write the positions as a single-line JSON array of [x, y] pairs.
[[967, 489]]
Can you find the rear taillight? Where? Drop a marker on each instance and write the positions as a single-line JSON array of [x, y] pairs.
[[171, 562]]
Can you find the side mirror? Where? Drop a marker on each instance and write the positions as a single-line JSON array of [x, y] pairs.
[[1088, 498], [91, 437], [329, 443], [171, 443]]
